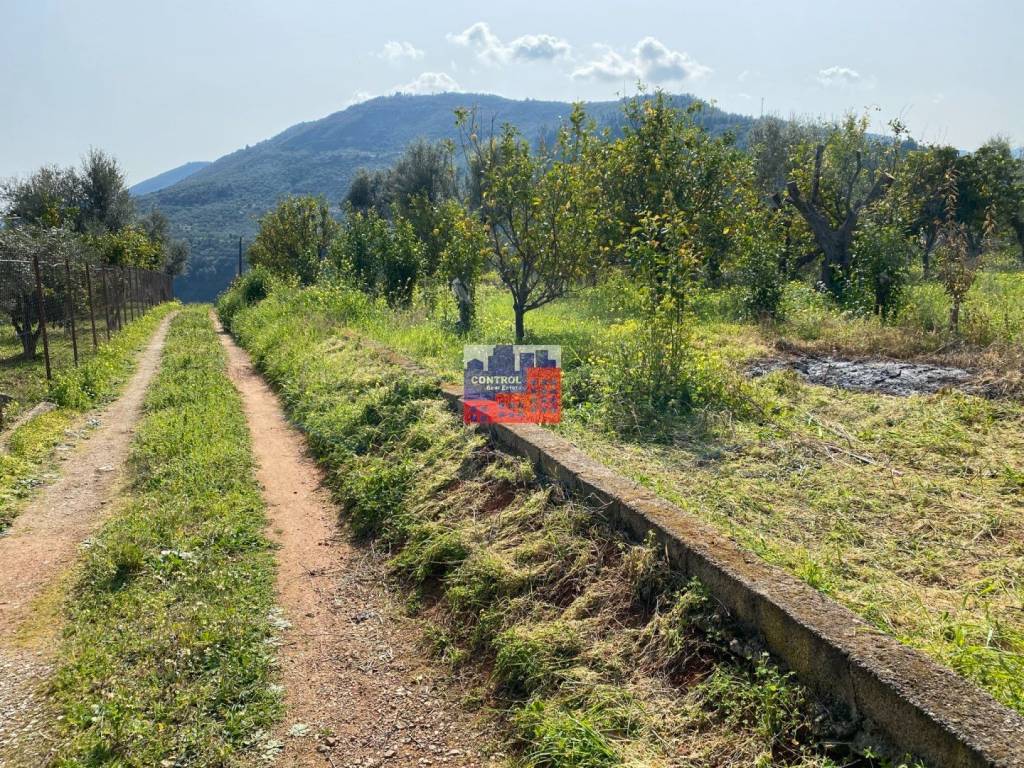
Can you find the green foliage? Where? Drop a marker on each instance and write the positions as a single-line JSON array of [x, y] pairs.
[[127, 247], [881, 261], [378, 256], [293, 239], [834, 182], [666, 165], [249, 288], [372, 491], [167, 655], [529, 659], [100, 376], [400, 263], [761, 263], [322, 157], [462, 257], [357, 252]]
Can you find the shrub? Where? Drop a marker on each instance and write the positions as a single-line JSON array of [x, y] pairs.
[[247, 289], [882, 256]]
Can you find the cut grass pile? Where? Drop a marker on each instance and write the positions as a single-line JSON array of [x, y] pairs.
[[589, 649], [97, 380], [168, 651], [910, 511]]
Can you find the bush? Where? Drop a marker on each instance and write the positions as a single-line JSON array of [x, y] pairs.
[[247, 289], [881, 268]]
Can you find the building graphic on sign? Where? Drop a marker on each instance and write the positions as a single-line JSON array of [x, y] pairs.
[[510, 383]]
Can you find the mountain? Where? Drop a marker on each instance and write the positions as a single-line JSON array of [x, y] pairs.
[[167, 178], [213, 206]]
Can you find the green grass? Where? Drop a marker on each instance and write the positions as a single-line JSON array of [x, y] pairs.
[[168, 650], [97, 380], [910, 511], [587, 648]]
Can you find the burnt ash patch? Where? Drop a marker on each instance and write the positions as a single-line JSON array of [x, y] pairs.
[[887, 377]]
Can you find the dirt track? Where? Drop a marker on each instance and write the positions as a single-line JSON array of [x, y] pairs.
[[42, 543], [359, 688]]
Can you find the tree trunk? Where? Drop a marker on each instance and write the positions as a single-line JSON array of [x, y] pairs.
[[954, 315], [926, 255], [465, 315], [520, 324], [29, 340], [835, 263]]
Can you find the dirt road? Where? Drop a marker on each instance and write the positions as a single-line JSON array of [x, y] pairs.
[[40, 545], [360, 689]]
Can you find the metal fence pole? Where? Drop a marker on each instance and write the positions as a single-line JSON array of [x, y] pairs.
[[92, 307], [42, 315], [123, 319], [71, 308], [131, 294], [106, 300]]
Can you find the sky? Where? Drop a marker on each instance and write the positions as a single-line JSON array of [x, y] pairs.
[[158, 84]]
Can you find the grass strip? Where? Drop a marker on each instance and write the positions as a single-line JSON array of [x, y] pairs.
[[168, 653], [97, 380], [587, 649]]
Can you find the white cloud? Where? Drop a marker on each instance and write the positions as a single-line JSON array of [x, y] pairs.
[[842, 76], [430, 82], [611, 66], [489, 47], [651, 61], [395, 50], [357, 98]]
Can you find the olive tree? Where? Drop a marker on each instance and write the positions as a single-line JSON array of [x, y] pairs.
[[832, 185]]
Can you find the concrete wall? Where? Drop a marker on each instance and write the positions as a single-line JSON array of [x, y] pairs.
[[901, 700]]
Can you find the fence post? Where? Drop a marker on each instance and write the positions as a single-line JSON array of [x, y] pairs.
[[42, 314], [92, 308], [131, 293], [123, 319], [106, 300], [71, 308]]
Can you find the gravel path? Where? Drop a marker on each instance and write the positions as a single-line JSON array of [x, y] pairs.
[[359, 688], [37, 550]]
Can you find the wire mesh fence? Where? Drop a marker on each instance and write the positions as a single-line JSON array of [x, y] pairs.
[[58, 304]]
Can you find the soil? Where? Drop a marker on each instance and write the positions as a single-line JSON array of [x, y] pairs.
[[37, 550], [887, 377], [360, 688]]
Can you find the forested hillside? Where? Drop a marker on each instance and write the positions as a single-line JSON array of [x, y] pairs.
[[213, 207], [167, 178]]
